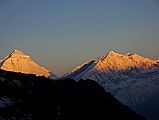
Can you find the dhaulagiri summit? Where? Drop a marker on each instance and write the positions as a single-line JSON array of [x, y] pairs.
[[17, 61]]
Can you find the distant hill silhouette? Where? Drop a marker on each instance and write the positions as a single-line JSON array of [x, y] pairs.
[[29, 97]]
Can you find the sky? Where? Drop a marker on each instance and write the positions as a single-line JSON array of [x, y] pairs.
[[62, 34]]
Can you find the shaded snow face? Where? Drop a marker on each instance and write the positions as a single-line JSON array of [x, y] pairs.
[[81, 70]]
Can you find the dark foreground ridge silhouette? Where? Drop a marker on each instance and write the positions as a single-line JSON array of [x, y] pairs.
[[29, 97]]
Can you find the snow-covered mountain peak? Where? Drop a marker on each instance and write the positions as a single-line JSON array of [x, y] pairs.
[[17, 53], [17, 61], [109, 54], [117, 61], [112, 53], [131, 78]]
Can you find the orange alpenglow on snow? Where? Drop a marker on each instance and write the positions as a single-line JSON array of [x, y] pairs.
[[20, 62], [116, 61], [112, 61]]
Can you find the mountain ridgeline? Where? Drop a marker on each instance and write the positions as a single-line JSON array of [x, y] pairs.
[[28, 97], [131, 78]]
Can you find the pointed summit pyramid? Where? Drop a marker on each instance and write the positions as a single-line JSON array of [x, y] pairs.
[[17, 61]]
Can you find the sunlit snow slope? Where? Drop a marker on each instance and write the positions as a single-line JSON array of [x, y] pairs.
[[20, 62]]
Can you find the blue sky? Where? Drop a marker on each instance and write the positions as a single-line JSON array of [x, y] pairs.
[[61, 34]]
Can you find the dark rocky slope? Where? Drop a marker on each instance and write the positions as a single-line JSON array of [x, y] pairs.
[[27, 97]]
